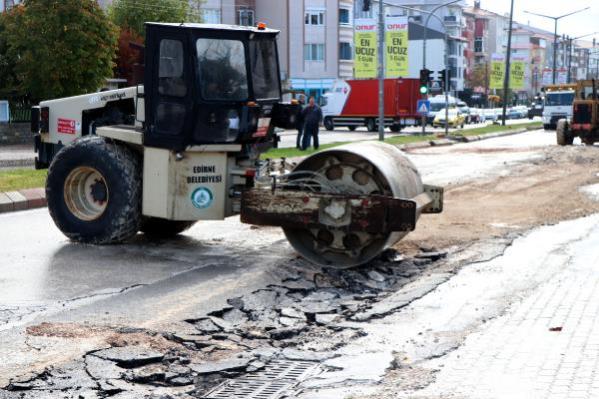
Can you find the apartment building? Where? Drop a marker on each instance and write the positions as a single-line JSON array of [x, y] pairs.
[[316, 40], [7, 4]]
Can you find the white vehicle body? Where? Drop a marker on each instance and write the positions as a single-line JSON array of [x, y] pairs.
[[66, 120], [558, 105], [336, 98]]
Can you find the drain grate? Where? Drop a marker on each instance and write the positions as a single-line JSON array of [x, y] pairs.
[[274, 382]]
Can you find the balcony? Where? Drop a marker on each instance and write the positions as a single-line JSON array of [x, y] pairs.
[[453, 21]]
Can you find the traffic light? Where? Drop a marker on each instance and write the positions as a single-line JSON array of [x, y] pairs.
[[425, 75], [442, 78], [365, 5]]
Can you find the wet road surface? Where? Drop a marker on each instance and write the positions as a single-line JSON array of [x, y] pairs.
[[44, 277]]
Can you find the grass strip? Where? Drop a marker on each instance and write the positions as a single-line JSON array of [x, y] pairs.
[[399, 140], [19, 179]]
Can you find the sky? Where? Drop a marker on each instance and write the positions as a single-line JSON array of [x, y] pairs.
[[574, 26]]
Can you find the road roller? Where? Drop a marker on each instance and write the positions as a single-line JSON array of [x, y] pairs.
[[189, 145]]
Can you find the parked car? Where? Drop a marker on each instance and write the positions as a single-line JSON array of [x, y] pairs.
[[536, 109], [476, 115], [455, 118], [522, 111], [465, 110], [490, 115], [513, 113]]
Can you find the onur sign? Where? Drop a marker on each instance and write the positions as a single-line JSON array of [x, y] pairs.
[[366, 48], [396, 48], [396, 38]]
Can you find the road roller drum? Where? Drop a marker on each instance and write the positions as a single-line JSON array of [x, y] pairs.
[[344, 206]]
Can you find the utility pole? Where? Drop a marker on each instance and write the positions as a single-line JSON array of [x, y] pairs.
[[381, 71], [569, 39], [555, 37], [506, 82]]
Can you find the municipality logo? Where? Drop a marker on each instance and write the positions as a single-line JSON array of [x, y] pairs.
[[202, 198]]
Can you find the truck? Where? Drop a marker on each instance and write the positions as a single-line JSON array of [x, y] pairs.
[[584, 122], [557, 104], [186, 146], [354, 103]]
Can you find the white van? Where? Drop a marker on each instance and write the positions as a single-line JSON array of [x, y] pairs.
[[437, 104]]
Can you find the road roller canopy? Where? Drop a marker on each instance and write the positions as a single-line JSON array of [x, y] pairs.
[[208, 84]]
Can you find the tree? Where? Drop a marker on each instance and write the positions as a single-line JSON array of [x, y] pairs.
[[8, 82], [60, 47], [478, 77], [133, 14]]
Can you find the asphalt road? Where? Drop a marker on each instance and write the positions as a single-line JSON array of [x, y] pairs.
[[44, 277]]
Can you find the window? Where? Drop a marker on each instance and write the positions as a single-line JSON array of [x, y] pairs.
[[265, 80], [314, 52], [222, 70], [344, 16], [246, 17], [4, 111], [478, 45], [345, 51], [211, 15], [170, 69], [559, 99], [314, 18]]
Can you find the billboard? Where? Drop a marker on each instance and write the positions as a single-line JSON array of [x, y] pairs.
[[547, 76], [497, 75], [396, 44], [365, 44], [518, 73], [562, 76]]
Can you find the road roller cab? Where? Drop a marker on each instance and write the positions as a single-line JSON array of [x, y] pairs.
[[207, 111], [209, 84]]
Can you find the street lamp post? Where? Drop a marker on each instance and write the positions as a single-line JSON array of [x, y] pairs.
[[506, 81], [381, 71], [571, 41], [446, 80], [555, 19], [446, 58]]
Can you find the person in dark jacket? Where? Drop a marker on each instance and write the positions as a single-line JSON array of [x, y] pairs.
[[312, 116], [300, 124]]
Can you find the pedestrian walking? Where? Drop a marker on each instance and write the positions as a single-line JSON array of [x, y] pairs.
[[312, 116], [300, 123]]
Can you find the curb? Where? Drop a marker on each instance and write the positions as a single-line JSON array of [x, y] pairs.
[[451, 140], [17, 163], [22, 200]]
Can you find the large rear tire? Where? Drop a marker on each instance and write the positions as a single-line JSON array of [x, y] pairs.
[[563, 134], [94, 191], [371, 125], [162, 228], [329, 124], [395, 128]]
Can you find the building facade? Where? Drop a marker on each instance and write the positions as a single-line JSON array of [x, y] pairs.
[[316, 40], [449, 20], [7, 4]]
